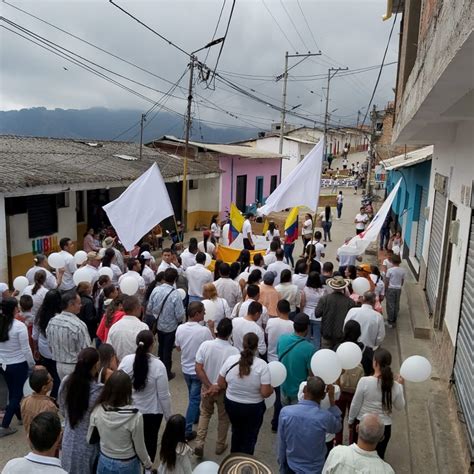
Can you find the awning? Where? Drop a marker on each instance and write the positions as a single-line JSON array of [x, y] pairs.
[[409, 159]]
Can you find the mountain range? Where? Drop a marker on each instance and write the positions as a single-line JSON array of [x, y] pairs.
[[108, 124]]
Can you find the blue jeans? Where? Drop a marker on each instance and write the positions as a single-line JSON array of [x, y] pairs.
[[314, 333], [339, 210], [194, 392], [288, 250], [108, 465], [194, 298], [327, 230], [15, 377]]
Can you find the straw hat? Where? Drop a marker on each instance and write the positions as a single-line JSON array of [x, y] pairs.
[[337, 283], [237, 463]]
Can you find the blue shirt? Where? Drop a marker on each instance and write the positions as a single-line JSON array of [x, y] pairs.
[[302, 432], [169, 315]]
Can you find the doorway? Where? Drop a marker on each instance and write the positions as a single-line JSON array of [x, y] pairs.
[[241, 192], [259, 189]]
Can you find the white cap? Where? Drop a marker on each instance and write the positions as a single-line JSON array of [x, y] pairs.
[[146, 255]]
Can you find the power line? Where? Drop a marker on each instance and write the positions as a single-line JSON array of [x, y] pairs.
[[279, 27], [294, 26], [307, 24], [216, 28]]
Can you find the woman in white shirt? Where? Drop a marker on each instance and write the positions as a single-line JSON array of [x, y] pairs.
[[246, 379], [37, 291], [108, 260], [206, 246], [215, 229], [272, 231], [15, 357], [220, 307], [307, 229], [119, 427], [188, 257], [288, 291], [150, 388], [300, 277], [378, 394], [312, 293]]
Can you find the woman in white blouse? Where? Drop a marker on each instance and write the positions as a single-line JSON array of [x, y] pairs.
[[108, 260], [220, 306], [312, 293], [246, 379], [288, 291], [15, 357], [272, 231], [378, 394], [150, 388], [37, 291], [307, 229]]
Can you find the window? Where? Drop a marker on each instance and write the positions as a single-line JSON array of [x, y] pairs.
[[15, 205], [259, 189], [80, 206], [193, 184], [273, 182], [42, 215]]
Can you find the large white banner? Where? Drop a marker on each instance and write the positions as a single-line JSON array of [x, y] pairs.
[[358, 244], [143, 205], [301, 187]]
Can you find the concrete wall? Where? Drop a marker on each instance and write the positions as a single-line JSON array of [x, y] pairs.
[[203, 202], [234, 166], [3, 242]]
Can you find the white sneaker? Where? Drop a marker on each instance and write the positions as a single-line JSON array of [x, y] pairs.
[[6, 431]]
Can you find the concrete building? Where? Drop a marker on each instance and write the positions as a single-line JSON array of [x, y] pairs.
[[435, 104], [54, 188]]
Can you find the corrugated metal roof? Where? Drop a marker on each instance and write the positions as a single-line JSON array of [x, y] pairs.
[[409, 159], [33, 161], [235, 150], [301, 140]]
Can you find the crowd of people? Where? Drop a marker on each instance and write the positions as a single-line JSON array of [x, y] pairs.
[[102, 360]]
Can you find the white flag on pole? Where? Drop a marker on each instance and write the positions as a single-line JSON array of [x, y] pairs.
[[143, 205], [358, 244], [301, 187]]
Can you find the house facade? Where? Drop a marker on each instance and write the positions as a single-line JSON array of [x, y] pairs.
[[435, 104]]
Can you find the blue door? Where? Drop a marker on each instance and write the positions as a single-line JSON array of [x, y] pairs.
[[259, 189]]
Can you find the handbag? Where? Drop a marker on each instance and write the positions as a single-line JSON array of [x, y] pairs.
[[155, 323]]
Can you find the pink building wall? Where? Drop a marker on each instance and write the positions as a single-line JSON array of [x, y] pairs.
[[235, 166]]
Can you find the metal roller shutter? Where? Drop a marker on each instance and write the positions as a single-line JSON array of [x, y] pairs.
[[464, 362], [420, 231], [434, 253]]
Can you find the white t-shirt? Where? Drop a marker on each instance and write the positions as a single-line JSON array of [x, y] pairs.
[[247, 229], [299, 279], [67, 283], [241, 327], [221, 310], [395, 277], [38, 297], [307, 229], [362, 221], [212, 355], [215, 229], [312, 297], [278, 267], [269, 258], [319, 249], [210, 247], [198, 276], [291, 293], [189, 336], [148, 275], [137, 276], [247, 388], [269, 235], [50, 282], [241, 310], [340, 199], [188, 259], [275, 328]]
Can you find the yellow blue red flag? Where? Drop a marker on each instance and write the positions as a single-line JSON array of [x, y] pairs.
[[291, 226], [236, 222]]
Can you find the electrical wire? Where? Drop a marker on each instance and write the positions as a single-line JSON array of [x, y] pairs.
[[294, 26], [279, 27], [307, 24], [216, 28]]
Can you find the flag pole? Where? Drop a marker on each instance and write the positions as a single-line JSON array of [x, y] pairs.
[[177, 230]]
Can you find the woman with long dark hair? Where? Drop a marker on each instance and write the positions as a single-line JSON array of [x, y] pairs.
[[310, 296], [51, 307], [113, 311], [108, 362], [246, 379], [379, 394], [175, 453], [215, 229], [109, 260], [244, 260], [15, 356], [150, 388], [326, 219], [235, 270], [272, 231], [88, 312], [119, 425], [206, 246], [77, 396], [37, 291]]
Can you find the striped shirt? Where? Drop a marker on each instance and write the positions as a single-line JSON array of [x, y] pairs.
[[67, 336]]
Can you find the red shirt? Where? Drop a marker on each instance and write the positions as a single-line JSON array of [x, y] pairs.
[[103, 331]]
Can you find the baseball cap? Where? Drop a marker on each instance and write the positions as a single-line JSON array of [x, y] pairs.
[[269, 278], [146, 255]]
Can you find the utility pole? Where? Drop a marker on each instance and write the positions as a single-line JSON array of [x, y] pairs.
[[373, 117], [142, 120], [331, 70], [184, 210], [358, 118], [284, 76]]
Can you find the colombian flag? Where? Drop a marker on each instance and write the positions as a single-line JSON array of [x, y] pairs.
[[291, 226], [236, 222]]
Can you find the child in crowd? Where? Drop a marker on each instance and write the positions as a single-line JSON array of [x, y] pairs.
[[39, 401], [25, 316], [175, 453], [394, 279]]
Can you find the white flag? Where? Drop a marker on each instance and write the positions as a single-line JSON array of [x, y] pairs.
[[358, 244], [301, 187], [143, 205]]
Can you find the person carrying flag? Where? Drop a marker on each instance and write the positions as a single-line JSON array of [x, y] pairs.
[[291, 235]]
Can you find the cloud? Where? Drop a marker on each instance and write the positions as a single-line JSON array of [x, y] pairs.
[[349, 33]]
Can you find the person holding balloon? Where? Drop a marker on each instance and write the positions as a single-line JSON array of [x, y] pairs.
[[379, 393], [41, 263]]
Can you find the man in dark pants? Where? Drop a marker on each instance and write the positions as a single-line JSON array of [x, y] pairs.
[[167, 307], [247, 232]]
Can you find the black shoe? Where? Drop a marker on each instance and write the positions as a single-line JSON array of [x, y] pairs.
[[191, 436], [171, 376]]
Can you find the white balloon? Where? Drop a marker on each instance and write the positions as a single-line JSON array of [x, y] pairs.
[[80, 257], [208, 260], [27, 390], [82, 275], [20, 283], [416, 369], [210, 308], [325, 401], [360, 285], [106, 271], [270, 401], [182, 293], [129, 285], [56, 260], [325, 364], [206, 467], [277, 373], [300, 390], [349, 354]]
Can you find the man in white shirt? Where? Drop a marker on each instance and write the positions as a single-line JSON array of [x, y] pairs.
[[44, 437], [93, 262], [394, 279], [346, 260], [189, 336], [361, 220], [226, 287], [278, 266], [166, 261], [123, 333], [361, 456], [241, 309], [319, 248], [133, 267], [210, 357], [247, 232], [242, 326], [147, 273], [371, 322], [198, 275], [67, 246]]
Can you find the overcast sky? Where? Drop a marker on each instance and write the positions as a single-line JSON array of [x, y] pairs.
[[349, 33]]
